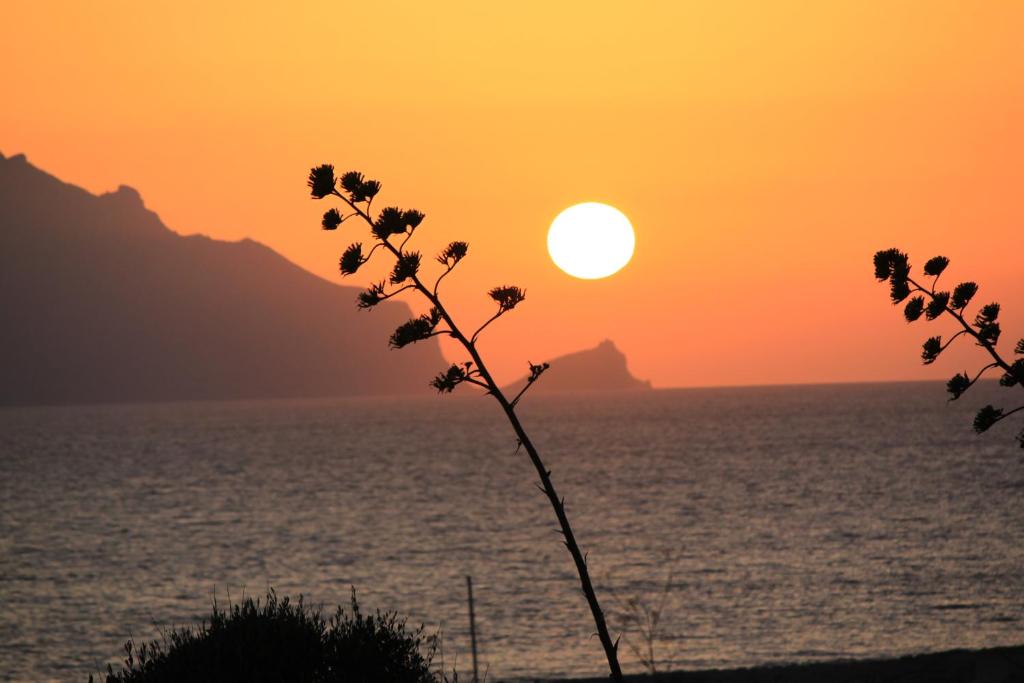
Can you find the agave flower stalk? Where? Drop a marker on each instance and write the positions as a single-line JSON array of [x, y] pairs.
[[893, 266], [392, 228]]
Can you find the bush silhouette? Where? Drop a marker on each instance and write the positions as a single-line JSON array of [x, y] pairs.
[[893, 266], [276, 640], [391, 229]]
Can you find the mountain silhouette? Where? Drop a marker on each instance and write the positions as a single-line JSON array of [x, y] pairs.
[[100, 302], [602, 368]]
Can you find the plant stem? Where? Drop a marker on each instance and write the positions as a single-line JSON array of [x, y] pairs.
[[548, 486], [610, 648]]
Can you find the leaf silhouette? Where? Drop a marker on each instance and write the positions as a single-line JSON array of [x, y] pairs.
[[985, 321], [371, 297], [988, 314], [957, 385], [914, 309], [963, 293], [453, 253], [390, 222], [351, 259], [353, 183], [931, 349], [412, 331], [406, 267], [937, 305], [899, 291], [508, 297], [883, 264], [936, 265], [332, 219], [446, 381], [986, 417], [891, 262], [412, 218], [321, 181], [370, 188]]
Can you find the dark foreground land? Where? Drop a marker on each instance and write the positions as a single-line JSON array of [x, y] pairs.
[[995, 665]]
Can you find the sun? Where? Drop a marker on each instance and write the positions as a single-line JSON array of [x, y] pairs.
[[591, 240]]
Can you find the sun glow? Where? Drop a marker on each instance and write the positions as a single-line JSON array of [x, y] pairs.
[[591, 240]]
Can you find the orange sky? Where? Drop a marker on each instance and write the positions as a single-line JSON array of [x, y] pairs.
[[763, 151]]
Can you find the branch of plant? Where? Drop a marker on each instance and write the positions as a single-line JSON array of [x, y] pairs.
[[522, 391], [490, 320], [529, 383], [1007, 414], [437, 282], [967, 329], [478, 383], [978, 376], [408, 236], [430, 296], [385, 297], [950, 341], [544, 474]]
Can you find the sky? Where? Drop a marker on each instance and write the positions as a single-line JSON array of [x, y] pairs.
[[763, 152]]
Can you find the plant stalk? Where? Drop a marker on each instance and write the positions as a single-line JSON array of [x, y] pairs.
[[610, 647]]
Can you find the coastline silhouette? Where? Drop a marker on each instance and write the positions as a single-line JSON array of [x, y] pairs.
[[103, 303]]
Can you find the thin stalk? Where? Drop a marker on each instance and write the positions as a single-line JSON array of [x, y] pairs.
[[557, 503], [980, 373], [1008, 414]]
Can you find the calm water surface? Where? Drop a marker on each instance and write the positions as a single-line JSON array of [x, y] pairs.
[[776, 524]]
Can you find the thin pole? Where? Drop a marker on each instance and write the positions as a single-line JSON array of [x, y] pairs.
[[472, 625]]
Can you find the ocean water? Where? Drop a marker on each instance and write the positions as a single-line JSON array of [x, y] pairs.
[[770, 524]]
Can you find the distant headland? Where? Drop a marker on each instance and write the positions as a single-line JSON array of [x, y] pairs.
[[602, 368]]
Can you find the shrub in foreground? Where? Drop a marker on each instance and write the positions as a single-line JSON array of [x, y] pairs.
[[277, 640]]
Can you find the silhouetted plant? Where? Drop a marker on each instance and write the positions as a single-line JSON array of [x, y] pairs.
[[276, 640], [393, 228], [893, 266]]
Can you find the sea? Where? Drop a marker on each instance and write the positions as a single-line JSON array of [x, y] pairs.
[[724, 527]]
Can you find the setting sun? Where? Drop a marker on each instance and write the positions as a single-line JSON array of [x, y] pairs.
[[591, 240]]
